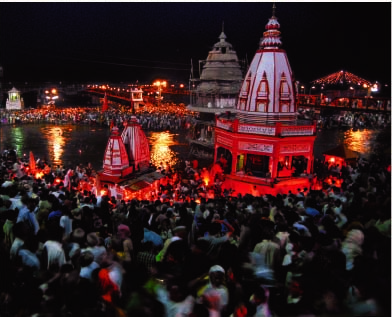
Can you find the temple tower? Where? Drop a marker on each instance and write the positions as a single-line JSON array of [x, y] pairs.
[[216, 91], [136, 144], [115, 159], [262, 141]]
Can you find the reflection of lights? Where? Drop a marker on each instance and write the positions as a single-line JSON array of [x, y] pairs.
[[358, 141], [160, 151], [17, 138], [56, 144]]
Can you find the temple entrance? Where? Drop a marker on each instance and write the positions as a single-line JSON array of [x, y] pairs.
[[225, 158], [300, 164], [257, 165]]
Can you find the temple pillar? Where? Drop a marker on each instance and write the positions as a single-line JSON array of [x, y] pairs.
[[274, 163], [234, 155]]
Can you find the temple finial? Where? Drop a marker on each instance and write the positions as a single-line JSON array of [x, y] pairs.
[[223, 26], [273, 9]]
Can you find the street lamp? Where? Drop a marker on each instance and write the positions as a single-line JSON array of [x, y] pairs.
[[370, 88], [160, 84], [303, 89], [310, 89]]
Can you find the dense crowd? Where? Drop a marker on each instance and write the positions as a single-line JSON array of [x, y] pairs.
[[67, 250], [356, 120], [167, 116]]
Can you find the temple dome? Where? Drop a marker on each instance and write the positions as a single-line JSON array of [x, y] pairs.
[[220, 79], [221, 65], [267, 92]]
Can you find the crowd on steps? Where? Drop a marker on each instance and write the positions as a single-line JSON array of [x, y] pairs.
[[67, 251]]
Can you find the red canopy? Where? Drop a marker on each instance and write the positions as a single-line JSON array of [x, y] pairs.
[[343, 152]]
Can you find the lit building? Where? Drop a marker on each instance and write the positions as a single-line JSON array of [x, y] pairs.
[[136, 97], [14, 101], [262, 142], [216, 91]]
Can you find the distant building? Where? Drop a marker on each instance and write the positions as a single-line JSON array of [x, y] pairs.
[[14, 101], [136, 97], [216, 91]]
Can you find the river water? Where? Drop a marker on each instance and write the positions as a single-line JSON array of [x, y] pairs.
[[68, 145]]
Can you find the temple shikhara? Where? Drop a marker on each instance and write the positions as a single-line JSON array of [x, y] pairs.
[[126, 164], [216, 91], [261, 144]]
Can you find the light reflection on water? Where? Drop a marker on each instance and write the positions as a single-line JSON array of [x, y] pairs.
[[359, 140], [160, 151], [69, 145], [56, 141]]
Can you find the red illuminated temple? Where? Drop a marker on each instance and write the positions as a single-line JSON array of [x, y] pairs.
[[261, 143]]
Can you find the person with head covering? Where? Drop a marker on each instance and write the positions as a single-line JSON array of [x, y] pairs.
[[352, 247], [126, 246], [215, 294]]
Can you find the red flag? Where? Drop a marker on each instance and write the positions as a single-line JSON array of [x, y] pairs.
[[105, 103]]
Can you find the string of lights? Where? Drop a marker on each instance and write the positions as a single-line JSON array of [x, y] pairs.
[[342, 77]]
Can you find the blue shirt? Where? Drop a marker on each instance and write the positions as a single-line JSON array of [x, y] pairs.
[[25, 215]]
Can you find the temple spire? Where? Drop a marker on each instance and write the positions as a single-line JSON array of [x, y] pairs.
[[271, 37], [223, 26], [273, 10]]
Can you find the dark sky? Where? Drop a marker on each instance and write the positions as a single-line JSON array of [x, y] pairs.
[[125, 42]]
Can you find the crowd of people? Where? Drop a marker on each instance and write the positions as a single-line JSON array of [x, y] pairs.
[[356, 120], [70, 251], [167, 116]]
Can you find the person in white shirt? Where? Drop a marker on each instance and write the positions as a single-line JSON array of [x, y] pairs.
[[66, 221]]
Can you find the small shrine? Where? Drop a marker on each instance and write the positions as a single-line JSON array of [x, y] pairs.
[[14, 101], [261, 144], [136, 97], [126, 164]]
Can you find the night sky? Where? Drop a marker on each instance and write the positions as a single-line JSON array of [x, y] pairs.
[[135, 41]]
